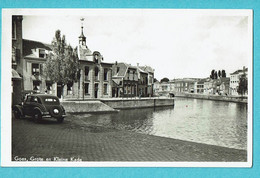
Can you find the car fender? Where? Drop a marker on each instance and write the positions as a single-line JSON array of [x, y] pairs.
[[19, 108], [37, 109]]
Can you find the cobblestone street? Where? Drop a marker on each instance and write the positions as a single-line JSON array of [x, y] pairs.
[[76, 139]]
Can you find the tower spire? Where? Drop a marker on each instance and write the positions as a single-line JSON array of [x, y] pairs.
[[82, 38]]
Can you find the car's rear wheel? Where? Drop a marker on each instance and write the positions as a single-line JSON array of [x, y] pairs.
[[17, 114], [37, 116]]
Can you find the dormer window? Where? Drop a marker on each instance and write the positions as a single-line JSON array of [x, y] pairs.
[[42, 53]]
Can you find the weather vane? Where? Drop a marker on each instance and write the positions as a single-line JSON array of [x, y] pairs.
[[82, 20]]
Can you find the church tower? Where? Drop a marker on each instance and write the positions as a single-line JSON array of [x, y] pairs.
[[82, 38]]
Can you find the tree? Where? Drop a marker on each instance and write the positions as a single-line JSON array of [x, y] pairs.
[[216, 75], [242, 86], [62, 64], [212, 74], [219, 73], [223, 73], [164, 80]]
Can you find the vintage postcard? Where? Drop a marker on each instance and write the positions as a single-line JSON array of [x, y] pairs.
[[126, 87]]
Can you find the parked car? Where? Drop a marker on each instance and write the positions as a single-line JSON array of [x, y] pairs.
[[40, 106]]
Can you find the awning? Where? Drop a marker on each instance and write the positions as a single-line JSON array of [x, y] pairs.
[[15, 75]]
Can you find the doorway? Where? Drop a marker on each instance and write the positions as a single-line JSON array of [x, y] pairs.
[[59, 90]]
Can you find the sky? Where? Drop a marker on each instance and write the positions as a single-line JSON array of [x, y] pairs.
[[176, 45]]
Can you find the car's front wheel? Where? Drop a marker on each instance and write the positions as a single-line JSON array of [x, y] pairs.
[[60, 119], [17, 114], [37, 116]]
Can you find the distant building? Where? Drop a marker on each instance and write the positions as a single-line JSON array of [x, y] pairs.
[[234, 80], [199, 86], [164, 88], [185, 85]]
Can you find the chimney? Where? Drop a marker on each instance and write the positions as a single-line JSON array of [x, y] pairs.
[[137, 64]]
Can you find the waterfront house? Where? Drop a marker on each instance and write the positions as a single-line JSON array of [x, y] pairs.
[[164, 88], [234, 80], [142, 82], [125, 80], [199, 86], [185, 85]]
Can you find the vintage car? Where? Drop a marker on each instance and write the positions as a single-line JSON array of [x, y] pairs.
[[40, 106]]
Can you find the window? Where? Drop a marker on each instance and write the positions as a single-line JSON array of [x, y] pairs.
[[51, 100], [105, 89], [86, 73], [86, 88], [13, 30], [105, 74], [129, 89], [35, 69], [96, 73], [49, 87], [35, 99], [36, 86], [69, 88], [42, 53]]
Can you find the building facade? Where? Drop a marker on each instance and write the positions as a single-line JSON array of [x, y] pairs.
[[125, 80], [234, 80], [185, 85], [17, 63], [150, 83], [95, 76]]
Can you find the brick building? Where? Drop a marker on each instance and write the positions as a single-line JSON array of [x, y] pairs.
[[125, 79], [150, 79]]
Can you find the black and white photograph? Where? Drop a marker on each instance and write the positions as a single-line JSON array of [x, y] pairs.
[[127, 87]]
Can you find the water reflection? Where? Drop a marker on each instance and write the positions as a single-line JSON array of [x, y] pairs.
[[203, 121]]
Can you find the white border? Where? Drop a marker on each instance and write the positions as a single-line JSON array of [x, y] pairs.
[[6, 85]]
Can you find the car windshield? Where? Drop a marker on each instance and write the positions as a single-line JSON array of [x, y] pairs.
[[51, 101]]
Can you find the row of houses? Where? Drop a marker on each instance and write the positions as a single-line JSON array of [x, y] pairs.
[[98, 79], [220, 86]]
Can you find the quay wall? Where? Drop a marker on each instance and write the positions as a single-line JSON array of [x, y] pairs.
[[138, 103], [237, 99], [111, 105], [86, 107]]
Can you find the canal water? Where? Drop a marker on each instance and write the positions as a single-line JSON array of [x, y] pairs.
[[203, 121]]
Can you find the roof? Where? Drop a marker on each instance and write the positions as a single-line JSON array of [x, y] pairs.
[[29, 45], [123, 67], [83, 51], [147, 69], [15, 75], [44, 95], [239, 71]]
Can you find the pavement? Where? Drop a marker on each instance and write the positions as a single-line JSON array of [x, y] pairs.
[[76, 140]]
